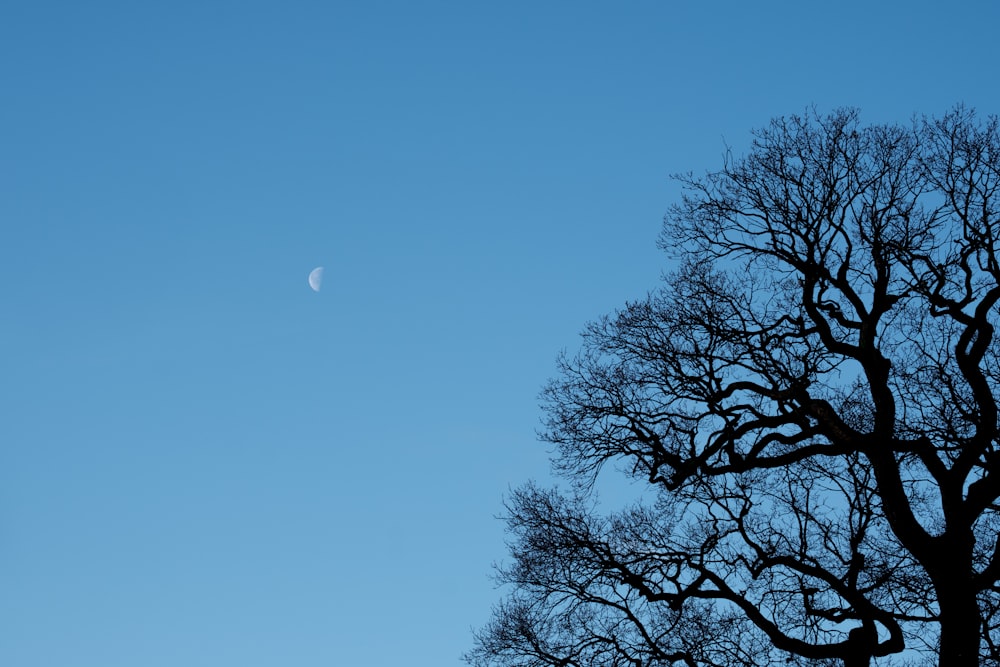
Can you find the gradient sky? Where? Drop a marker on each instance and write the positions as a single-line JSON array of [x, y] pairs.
[[203, 463]]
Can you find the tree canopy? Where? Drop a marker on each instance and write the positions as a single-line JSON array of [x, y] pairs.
[[809, 400]]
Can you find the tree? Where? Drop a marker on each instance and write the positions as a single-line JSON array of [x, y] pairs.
[[809, 401]]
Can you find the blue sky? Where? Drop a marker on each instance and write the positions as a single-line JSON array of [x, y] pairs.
[[205, 463]]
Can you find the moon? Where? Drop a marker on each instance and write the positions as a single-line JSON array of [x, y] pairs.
[[316, 278]]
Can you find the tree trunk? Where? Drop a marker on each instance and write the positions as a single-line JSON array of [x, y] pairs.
[[861, 642], [960, 624]]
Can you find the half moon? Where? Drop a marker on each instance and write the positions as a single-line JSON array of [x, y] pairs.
[[316, 278]]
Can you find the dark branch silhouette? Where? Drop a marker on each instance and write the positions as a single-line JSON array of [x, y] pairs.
[[810, 401]]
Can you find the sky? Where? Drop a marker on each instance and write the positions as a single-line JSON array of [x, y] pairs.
[[204, 462]]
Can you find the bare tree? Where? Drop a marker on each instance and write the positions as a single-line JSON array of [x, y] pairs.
[[809, 400]]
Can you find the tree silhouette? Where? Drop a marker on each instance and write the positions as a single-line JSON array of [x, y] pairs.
[[809, 401]]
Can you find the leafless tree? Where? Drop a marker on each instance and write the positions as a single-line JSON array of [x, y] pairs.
[[809, 400]]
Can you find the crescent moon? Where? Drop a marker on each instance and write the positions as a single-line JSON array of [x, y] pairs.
[[316, 278]]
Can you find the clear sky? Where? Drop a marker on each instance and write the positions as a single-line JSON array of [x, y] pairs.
[[203, 462]]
